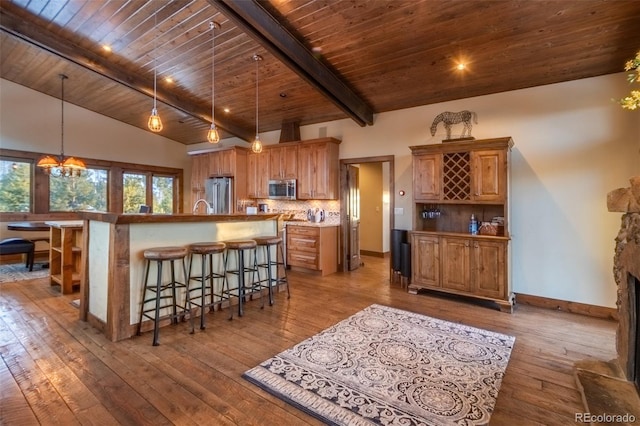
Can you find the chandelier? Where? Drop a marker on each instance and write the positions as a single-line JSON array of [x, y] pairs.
[[61, 166]]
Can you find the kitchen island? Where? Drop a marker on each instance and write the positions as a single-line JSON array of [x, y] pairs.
[[113, 269]]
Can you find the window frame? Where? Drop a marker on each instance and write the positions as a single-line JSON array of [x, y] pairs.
[[115, 169]]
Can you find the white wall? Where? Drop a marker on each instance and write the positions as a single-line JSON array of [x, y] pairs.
[[572, 146], [30, 121]]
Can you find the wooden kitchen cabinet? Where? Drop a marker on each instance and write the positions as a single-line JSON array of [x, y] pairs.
[[313, 248], [425, 260], [427, 180], [456, 180], [258, 175], [461, 172], [470, 266], [318, 169], [230, 162], [283, 162]]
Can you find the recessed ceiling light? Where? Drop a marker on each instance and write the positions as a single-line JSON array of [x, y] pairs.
[[461, 66], [227, 110], [106, 48], [168, 79]]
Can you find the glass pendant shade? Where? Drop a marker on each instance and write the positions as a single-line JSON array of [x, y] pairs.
[[155, 123], [256, 146], [61, 166], [212, 134]]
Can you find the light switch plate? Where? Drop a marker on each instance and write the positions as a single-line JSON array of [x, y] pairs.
[[398, 210]]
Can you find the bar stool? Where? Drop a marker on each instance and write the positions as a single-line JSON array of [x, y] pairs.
[[206, 251], [156, 292], [243, 250], [266, 243]]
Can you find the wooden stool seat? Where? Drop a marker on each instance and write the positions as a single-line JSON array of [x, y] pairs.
[[207, 248], [263, 241], [240, 244], [163, 295], [239, 247], [165, 253], [205, 292], [265, 244]]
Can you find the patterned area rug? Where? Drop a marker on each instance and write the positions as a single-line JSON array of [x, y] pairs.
[[18, 272], [391, 367]]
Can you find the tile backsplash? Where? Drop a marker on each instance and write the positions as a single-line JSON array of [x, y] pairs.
[[299, 208]]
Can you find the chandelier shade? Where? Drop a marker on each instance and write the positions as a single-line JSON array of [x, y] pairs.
[[61, 166]]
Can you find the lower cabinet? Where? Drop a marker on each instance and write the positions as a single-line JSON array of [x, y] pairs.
[[471, 266], [313, 248]]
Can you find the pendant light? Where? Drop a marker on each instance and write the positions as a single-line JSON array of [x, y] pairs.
[[61, 166], [256, 146], [155, 124], [212, 135]]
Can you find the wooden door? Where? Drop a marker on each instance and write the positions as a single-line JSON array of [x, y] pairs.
[[489, 175], [353, 218], [425, 261], [456, 263], [427, 177], [489, 269]]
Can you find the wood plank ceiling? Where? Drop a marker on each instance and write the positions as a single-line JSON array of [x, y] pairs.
[[323, 59]]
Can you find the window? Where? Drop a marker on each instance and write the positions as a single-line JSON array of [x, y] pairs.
[[86, 192], [163, 194], [15, 181], [134, 192]]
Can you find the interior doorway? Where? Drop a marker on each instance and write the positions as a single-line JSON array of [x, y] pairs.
[[373, 179]]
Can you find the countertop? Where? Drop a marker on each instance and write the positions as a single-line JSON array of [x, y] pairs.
[[176, 218], [310, 224]]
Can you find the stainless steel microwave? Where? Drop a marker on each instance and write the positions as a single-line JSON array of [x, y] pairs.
[[282, 189]]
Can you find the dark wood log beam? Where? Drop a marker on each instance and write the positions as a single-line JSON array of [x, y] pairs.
[[253, 19], [38, 35]]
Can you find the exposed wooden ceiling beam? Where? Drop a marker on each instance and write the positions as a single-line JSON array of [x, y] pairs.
[[38, 36], [252, 18]]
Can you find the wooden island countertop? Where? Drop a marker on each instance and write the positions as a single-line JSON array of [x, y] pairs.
[[113, 269]]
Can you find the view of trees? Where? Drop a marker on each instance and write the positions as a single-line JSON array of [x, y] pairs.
[[87, 192], [15, 181]]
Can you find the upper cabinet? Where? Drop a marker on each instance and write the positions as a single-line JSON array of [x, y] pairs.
[[229, 162], [222, 163], [258, 174], [283, 162], [318, 169], [462, 172]]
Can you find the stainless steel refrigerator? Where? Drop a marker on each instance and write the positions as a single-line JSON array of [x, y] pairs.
[[219, 194]]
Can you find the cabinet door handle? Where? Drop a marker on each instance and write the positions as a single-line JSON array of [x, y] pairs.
[[466, 244], [304, 240]]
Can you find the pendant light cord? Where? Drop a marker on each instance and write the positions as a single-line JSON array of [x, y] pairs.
[[62, 78], [213, 70], [257, 58], [155, 56]]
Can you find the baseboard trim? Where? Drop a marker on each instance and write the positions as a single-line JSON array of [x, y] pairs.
[[564, 305], [374, 253]]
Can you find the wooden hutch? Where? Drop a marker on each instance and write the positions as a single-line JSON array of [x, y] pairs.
[[452, 181]]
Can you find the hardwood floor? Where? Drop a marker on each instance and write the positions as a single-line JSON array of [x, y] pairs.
[[56, 369]]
